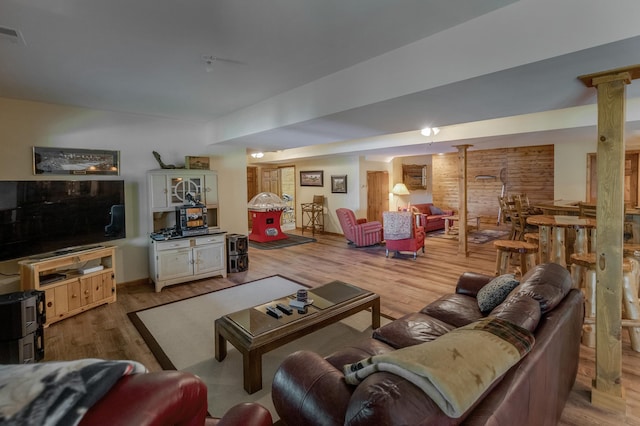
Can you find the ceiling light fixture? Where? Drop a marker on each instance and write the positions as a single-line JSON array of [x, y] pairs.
[[428, 130], [257, 154], [210, 60]]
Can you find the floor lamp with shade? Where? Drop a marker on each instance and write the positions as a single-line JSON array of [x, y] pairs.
[[400, 189]]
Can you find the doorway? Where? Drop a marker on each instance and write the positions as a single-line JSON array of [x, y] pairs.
[[280, 181], [631, 159]]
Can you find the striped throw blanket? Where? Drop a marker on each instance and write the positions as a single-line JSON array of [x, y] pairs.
[[458, 367]]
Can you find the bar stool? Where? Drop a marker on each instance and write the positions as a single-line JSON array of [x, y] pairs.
[[505, 248], [533, 238], [630, 250], [313, 214], [633, 251], [583, 273]]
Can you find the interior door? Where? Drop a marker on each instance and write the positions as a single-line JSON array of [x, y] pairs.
[[630, 178], [252, 189], [377, 194], [270, 181]]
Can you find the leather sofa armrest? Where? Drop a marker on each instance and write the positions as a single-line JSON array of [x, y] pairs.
[[469, 283], [387, 399], [308, 390], [158, 398], [244, 414]]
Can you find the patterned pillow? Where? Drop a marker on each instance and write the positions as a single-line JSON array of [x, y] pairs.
[[495, 292]]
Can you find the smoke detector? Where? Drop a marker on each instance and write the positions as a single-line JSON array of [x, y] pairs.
[[11, 35]]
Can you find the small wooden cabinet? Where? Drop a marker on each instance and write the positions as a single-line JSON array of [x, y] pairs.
[[186, 259], [73, 281]]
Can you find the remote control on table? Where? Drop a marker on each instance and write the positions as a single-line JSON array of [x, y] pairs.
[[273, 312], [284, 308]]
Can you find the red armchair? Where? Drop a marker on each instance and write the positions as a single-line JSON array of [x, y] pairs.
[[359, 232], [167, 397], [402, 232]]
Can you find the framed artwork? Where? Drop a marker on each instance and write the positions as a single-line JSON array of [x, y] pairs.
[[415, 176], [74, 161], [314, 178], [339, 184], [197, 163]]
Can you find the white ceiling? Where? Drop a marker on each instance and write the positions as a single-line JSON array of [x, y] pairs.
[[145, 57]]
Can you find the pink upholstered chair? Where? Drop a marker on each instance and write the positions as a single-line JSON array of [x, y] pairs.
[[402, 232], [359, 232]]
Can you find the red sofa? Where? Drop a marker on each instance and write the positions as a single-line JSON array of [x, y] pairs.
[[167, 397], [431, 221]]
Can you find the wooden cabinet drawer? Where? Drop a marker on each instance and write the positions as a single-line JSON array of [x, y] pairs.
[[173, 244], [209, 239]]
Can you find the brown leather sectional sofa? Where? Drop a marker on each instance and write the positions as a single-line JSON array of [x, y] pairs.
[[311, 390]]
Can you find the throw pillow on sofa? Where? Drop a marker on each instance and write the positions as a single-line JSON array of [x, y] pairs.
[[436, 210], [495, 292]]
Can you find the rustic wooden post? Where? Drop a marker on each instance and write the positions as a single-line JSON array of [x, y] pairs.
[[607, 391], [462, 199]]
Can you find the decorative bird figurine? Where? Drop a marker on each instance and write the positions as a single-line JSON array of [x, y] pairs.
[[162, 165]]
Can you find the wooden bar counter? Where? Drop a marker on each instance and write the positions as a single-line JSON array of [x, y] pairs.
[[559, 207], [553, 244]]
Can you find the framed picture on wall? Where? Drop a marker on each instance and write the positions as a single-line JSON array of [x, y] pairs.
[[75, 161], [339, 184], [197, 163], [313, 178]]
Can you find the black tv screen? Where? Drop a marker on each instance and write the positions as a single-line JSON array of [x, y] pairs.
[[53, 215]]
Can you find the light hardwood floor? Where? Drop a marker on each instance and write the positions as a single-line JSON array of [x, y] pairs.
[[404, 286]]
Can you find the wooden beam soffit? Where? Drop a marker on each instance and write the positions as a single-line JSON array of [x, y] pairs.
[[626, 74]]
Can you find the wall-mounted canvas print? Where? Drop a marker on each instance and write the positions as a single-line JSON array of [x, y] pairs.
[[73, 161], [314, 178], [339, 184]]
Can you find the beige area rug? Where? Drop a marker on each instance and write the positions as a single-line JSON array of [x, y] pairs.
[[180, 334]]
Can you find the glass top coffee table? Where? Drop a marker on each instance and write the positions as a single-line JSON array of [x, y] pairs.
[[254, 332]]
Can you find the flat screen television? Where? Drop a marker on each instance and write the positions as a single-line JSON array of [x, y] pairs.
[[44, 216]]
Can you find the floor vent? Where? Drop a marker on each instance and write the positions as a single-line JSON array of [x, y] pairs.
[[11, 35]]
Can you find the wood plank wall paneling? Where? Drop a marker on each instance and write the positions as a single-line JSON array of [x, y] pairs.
[[529, 170]]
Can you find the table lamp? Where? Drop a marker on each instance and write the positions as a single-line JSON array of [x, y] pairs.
[[399, 189]]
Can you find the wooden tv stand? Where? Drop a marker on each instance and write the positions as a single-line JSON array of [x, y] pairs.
[[73, 280]]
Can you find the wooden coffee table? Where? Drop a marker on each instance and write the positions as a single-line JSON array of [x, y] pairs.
[[253, 332], [450, 220]]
